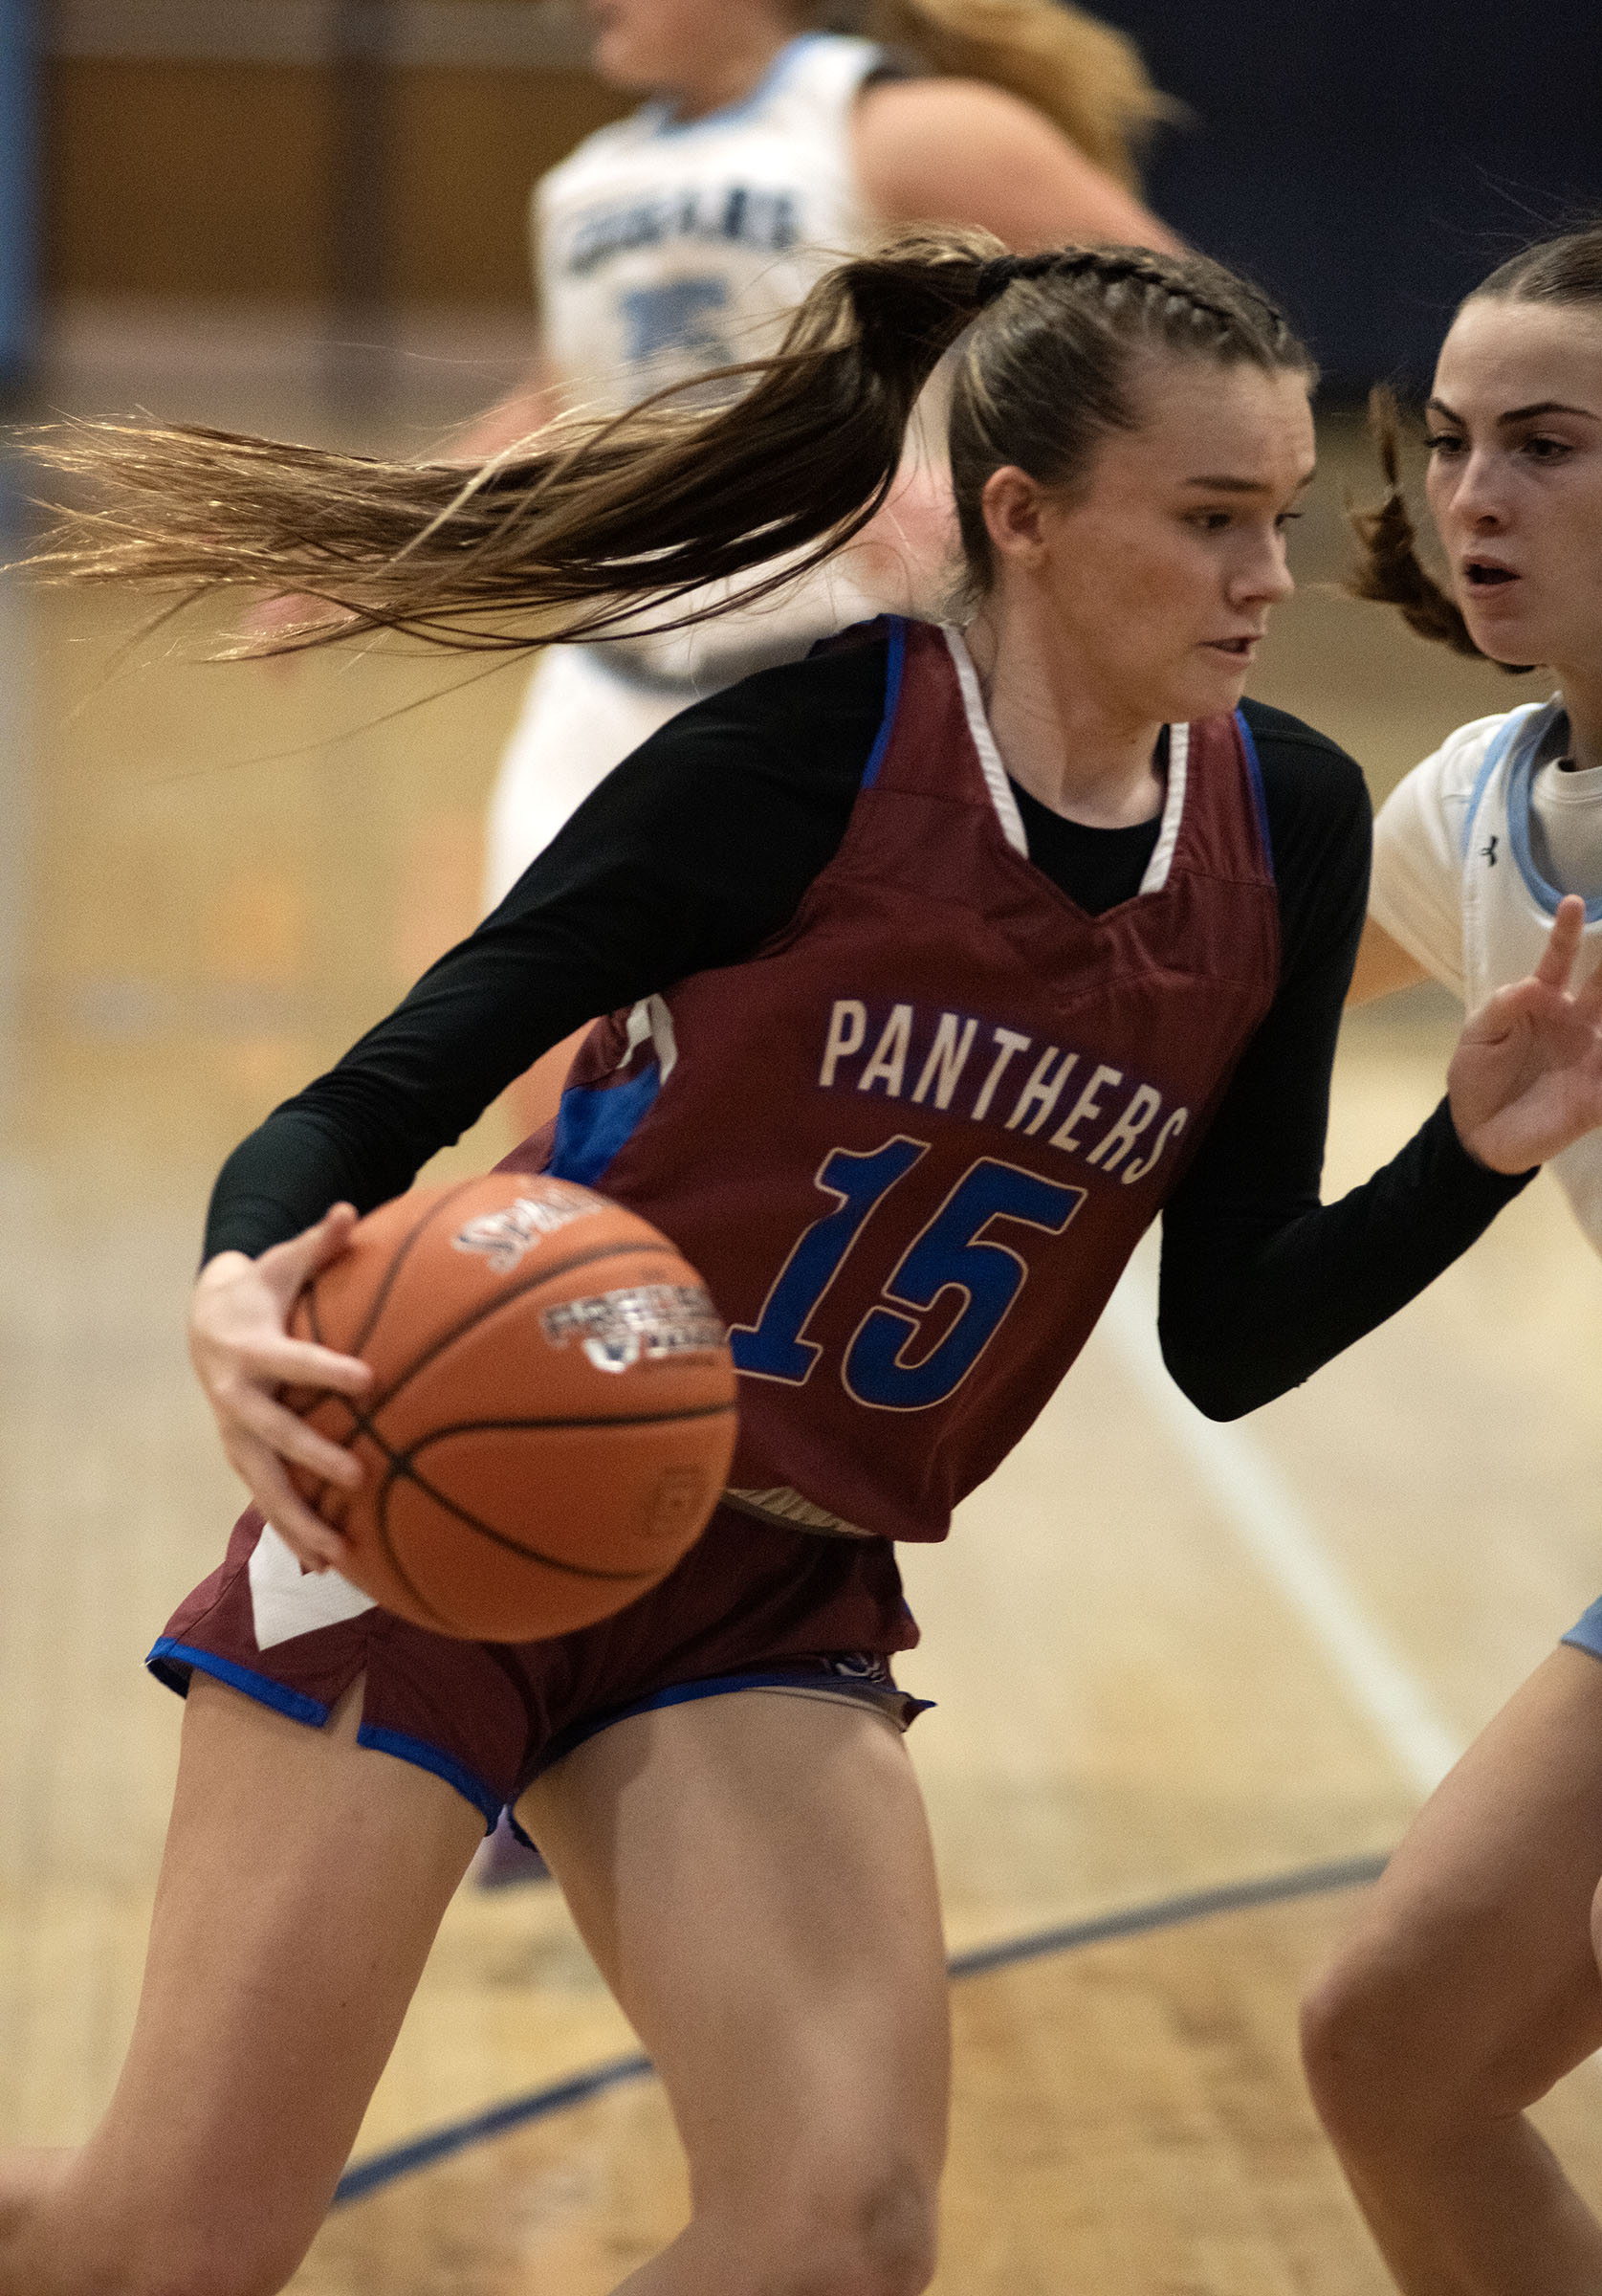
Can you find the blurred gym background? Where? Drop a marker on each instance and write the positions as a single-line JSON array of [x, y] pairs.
[[345, 181]]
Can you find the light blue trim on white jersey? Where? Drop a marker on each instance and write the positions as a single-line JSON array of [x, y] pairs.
[[659, 120], [1519, 746], [1495, 750]]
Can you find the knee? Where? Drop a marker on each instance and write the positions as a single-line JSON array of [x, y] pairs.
[[194, 2264], [891, 2237], [1361, 2053], [845, 2233], [1406, 2047]]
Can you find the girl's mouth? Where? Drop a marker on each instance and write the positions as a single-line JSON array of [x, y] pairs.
[[1481, 574]]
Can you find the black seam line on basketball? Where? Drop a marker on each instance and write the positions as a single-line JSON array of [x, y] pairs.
[[397, 1261], [381, 1299], [400, 1467], [402, 1470], [530, 1282], [381, 1523], [1133, 1921]]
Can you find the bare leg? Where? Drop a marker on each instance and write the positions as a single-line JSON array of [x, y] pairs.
[[304, 1880], [753, 1874], [1468, 1988]]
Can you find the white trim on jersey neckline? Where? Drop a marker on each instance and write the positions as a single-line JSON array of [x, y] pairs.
[[984, 742], [1173, 807], [999, 786]]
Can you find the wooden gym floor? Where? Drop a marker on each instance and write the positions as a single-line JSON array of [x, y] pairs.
[[1167, 1659]]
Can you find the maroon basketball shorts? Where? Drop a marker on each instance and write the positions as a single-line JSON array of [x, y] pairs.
[[752, 1606]]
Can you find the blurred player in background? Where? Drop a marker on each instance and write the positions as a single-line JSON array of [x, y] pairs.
[[1470, 1985], [681, 239]]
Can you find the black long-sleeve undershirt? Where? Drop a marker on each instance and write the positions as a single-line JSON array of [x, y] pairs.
[[700, 847]]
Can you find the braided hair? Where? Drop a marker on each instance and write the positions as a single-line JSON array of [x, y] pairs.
[[1049, 371]]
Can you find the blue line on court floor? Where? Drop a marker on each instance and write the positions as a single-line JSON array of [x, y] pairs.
[[1160, 1913]]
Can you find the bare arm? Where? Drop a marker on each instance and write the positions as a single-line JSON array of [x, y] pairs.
[[1383, 966], [959, 151]]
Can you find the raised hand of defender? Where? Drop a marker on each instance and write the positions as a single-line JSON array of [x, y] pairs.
[[1525, 1080], [243, 1354]]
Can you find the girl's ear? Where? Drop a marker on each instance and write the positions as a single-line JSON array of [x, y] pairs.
[[1013, 502]]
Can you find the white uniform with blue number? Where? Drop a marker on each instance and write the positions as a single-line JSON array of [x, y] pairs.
[[1458, 882], [663, 249]]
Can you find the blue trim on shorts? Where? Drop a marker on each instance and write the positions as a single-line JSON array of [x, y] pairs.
[[259, 1687], [718, 1685], [427, 1756], [896, 661], [1586, 1633], [167, 1657]]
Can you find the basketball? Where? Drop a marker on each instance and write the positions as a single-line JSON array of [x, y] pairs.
[[552, 1408]]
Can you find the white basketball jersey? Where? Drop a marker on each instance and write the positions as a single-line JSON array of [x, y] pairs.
[[665, 247], [1456, 883]]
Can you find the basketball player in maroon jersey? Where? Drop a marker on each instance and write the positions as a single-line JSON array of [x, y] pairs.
[[942, 962]]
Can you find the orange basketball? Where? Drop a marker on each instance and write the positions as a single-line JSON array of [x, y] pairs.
[[552, 1408]]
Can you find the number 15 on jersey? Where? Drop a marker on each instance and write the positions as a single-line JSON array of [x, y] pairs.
[[950, 1252]]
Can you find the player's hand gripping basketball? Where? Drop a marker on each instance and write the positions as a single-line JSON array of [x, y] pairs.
[[243, 1354], [1525, 1080]]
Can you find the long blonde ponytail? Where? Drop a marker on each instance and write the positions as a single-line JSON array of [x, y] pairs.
[[572, 536], [1087, 78], [570, 533]]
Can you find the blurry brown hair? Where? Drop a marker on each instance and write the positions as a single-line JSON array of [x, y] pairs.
[[1567, 269], [1389, 570], [1086, 79], [571, 538]]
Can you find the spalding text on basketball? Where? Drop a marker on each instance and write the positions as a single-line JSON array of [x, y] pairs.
[[503, 1237]]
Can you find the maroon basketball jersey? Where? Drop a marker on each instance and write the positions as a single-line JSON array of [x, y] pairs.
[[912, 1141]]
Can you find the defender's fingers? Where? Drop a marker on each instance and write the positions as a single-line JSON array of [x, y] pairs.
[[1563, 943]]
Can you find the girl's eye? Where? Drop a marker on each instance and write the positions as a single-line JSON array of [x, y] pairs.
[[1211, 522], [1444, 442], [1289, 518], [1545, 450]]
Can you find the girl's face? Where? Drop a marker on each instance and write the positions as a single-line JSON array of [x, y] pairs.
[[1161, 571], [1515, 479], [662, 47]]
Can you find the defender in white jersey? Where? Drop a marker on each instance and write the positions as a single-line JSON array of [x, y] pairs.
[[1472, 853], [681, 239], [1471, 1983], [665, 247]]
